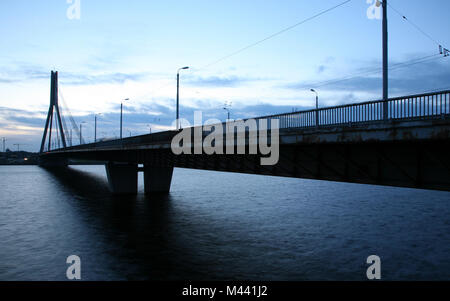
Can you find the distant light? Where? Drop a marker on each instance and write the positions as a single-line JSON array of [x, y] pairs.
[[25, 159]]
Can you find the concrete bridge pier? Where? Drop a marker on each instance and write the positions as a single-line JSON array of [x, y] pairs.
[[157, 179], [122, 177]]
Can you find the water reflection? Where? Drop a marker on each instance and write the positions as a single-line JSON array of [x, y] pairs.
[[143, 233], [137, 227], [217, 226]]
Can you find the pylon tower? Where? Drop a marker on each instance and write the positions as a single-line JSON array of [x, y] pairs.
[[54, 107]]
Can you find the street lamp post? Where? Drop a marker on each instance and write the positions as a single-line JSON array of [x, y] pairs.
[[228, 111], [121, 113], [95, 127], [178, 96], [385, 61], [81, 132], [317, 106]]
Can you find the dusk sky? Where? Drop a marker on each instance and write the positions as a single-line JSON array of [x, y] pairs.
[[132, 49]]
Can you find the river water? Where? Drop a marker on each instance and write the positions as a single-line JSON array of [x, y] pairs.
[[217, 226]]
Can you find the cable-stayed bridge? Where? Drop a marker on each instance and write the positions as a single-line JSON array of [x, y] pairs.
[[403, 141]]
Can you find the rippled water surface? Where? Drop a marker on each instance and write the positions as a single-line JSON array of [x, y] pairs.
[[217, 226]]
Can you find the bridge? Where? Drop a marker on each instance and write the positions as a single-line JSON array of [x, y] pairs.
[[403, 142]]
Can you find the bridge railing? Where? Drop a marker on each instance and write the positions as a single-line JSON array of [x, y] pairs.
[[407, 107]]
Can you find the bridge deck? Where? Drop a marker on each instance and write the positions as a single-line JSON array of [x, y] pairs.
[[349, 145]]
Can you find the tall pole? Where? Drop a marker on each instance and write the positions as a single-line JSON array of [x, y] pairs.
[[121, 110], [81, 132], [95, 130], [121, 114], [317, 106], [178, 100], [178, 96], [228, 112], [317, 110], [4, 141], [385, 61]]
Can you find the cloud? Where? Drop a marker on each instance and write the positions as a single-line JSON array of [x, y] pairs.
[[106, 78], [425, 76], [217, 81], [21, 72], [28, 72]]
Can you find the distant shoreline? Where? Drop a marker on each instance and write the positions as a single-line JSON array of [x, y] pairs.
[[18, 164]]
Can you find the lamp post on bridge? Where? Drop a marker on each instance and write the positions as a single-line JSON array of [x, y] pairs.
[[385, 61], [178, 96], [228, 112], [95, 127], [4, 143], [81, 131], [121, 113], [317, 106]]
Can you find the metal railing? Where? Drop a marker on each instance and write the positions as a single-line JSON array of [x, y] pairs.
[[410, 107]]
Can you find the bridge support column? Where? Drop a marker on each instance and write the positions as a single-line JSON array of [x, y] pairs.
[[157, 179], [122, 177]]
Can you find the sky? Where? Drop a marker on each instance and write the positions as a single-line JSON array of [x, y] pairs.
[[132, 49]]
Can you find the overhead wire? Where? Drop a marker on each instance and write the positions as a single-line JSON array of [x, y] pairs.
[[375, 70], [276, 34]]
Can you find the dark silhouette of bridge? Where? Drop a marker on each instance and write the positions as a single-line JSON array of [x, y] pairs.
[[403, 141]]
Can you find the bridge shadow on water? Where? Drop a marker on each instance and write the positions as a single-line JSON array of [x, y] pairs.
[[138, 237]]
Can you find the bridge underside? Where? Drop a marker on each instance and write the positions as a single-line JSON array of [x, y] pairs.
[[421, 164]]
